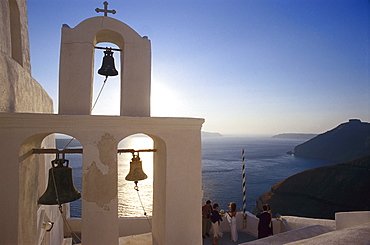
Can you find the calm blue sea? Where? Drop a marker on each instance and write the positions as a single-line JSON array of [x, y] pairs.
[[266, 163]]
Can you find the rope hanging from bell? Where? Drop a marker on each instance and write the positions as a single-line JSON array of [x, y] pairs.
[[135, 174]]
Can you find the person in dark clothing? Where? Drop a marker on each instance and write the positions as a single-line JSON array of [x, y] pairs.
[[263, 225], [271, 231], [206, 221], [215, 219]]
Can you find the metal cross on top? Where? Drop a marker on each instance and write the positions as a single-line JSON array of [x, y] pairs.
[[105, 10]]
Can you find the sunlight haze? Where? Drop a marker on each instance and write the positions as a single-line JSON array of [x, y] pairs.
[[247, 67]]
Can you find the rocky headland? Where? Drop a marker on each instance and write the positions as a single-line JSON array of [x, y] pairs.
[[346, 142], [321, 192]]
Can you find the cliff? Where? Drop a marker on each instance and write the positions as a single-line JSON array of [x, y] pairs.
[[344, 143], [320, 192]]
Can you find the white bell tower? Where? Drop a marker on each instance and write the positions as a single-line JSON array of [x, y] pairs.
[[77, 59]]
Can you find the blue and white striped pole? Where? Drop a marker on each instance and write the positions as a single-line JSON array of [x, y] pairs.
[[244, 191]]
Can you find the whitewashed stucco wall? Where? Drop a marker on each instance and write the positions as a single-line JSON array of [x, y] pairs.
[[177, 169], [19, 92]]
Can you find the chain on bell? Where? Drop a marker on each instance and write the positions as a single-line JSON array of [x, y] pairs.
[[136, 169], [61, 175], [108, 68]]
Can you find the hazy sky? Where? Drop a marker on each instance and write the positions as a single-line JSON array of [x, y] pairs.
[[246, 66]]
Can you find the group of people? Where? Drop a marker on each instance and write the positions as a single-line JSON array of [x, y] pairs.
[[211, 218]]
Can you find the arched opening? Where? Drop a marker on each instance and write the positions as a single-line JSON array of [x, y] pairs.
[[52, 213], [34, 163], [133, 203], [106, 93], [15, 32]]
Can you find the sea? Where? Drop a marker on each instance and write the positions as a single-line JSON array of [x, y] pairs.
[[265, 159]]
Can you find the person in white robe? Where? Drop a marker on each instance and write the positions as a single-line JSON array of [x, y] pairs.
[[231, 218]]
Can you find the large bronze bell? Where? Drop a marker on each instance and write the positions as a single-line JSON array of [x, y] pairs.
[[136, 169], [108, 68], [61, 175]]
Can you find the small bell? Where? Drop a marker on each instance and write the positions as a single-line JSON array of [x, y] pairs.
[[62, 177], [108, 68], [136, 169]]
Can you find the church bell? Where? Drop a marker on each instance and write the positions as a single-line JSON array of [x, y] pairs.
[[136, 169], [60, 187], [108, 68]]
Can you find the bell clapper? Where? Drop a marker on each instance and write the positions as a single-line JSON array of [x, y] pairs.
[[136, 188]]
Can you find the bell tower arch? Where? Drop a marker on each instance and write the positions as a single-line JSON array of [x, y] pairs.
[[77, 59]]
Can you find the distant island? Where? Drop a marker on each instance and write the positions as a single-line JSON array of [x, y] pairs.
[[294, 136], [346, 142], [62, 142], [210, 135]]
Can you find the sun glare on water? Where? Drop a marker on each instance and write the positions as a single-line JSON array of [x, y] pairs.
[[129, 204]]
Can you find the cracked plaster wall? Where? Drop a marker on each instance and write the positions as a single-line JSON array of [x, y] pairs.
[[102, 174]]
